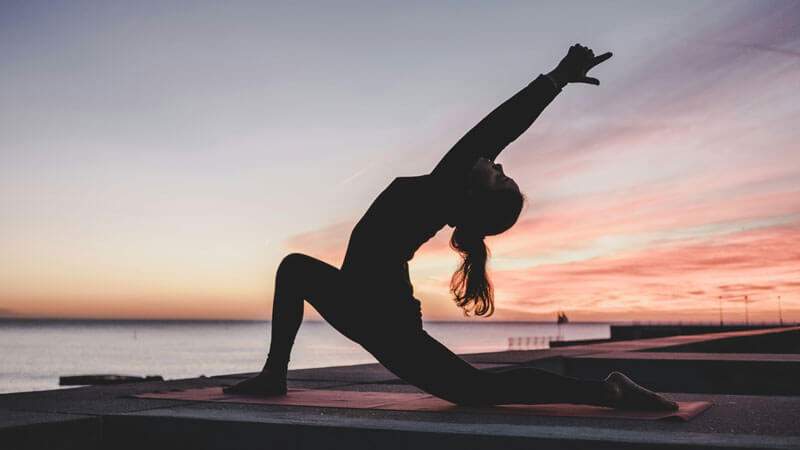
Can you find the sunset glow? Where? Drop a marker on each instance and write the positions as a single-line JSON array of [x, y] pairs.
[[155, 164]]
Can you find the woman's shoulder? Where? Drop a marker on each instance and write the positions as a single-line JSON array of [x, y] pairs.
[[425, 183], [428, 184], [413, 178], [423, 179]]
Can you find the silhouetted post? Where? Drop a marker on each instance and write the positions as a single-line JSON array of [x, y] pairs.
[[780, 312], [720, 311], [746, 313]]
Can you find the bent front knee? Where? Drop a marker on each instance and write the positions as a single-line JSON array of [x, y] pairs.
[[291, 262]]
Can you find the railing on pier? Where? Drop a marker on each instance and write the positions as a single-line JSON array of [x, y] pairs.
[[532, 342]]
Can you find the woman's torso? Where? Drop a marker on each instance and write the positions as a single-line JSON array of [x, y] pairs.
[[409, 212]]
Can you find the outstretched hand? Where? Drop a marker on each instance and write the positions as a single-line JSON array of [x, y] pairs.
[[573, 67]]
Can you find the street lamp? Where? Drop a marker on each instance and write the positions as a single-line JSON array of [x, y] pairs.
[[746, 314]]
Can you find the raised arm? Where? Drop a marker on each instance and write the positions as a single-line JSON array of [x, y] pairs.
[[501, 127], [509, 120]]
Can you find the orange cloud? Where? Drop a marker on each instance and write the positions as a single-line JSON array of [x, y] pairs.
[[759, 263]]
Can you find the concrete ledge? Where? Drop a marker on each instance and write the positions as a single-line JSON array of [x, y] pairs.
[[645, 331], [784, 342], [35, 430], [208, 430]]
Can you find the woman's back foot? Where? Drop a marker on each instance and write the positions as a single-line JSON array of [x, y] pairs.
[[263, 385], [625, 394]]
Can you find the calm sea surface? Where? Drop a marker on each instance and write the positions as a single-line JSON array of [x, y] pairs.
[[33, 354]]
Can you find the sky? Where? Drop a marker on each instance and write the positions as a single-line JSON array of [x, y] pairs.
[[159, 159]]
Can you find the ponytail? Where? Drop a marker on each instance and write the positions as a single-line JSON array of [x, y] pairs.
[[470, 283]]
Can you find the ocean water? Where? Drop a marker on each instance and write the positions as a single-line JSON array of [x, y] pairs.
[[34, 353]]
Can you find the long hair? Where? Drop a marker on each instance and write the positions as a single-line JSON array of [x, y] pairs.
[[491, 213]]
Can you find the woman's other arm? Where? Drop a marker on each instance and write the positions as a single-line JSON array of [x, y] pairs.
[[509, 120]]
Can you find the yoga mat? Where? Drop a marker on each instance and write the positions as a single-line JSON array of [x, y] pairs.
[[421, 402]]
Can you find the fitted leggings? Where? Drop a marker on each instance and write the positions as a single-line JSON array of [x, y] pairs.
[[401, 345]]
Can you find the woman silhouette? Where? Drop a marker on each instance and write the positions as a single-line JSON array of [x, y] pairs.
[[370, 299]]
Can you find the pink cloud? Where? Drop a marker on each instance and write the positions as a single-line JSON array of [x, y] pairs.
[[760, 264]]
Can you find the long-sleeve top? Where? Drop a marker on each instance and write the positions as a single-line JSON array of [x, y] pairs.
[[411, 210]]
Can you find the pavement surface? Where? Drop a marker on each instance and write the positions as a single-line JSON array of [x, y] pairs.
[[101, 417]]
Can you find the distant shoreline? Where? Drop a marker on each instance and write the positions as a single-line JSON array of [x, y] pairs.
[[48, 320], [208, 321]]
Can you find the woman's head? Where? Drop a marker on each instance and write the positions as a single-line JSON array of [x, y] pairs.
[[493, 204], [490, 176], [493, 201]]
